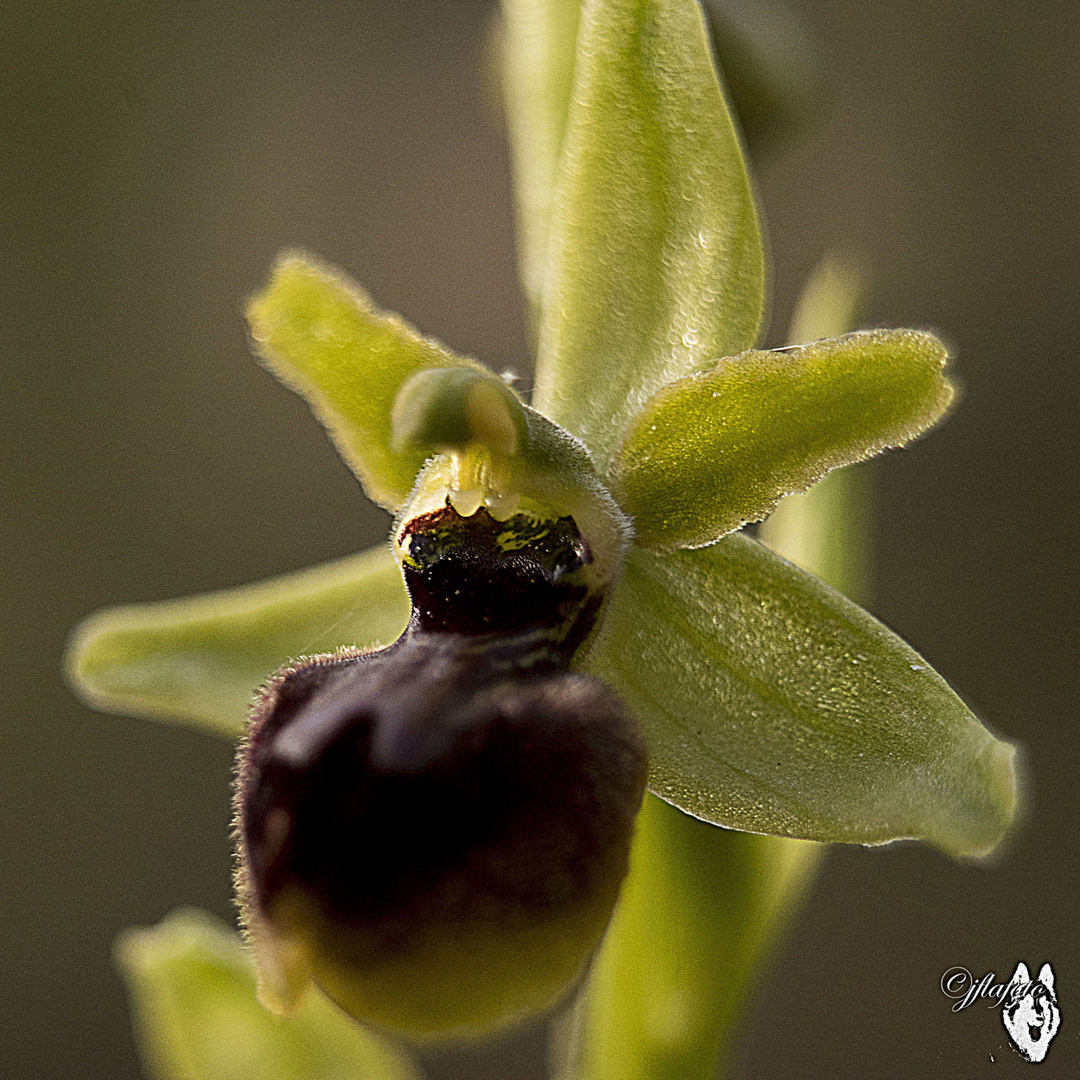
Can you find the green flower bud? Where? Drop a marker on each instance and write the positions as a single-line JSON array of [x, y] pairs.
[[436, 832]]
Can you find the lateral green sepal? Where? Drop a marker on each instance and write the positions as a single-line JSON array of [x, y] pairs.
[[200, 660], [722, 447], [773, 704]]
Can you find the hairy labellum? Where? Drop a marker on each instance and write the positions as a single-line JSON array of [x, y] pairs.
[[436, 832]]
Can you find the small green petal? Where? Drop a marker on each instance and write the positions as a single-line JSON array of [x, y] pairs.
[[538, 71], [656, 258], [200, 660], [325, 338], [828, 529], [775, 705], [722, 447], [192, 989]]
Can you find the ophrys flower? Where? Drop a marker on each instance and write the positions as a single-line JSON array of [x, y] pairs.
[[769, 702]]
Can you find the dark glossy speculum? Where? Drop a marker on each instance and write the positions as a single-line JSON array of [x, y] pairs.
[[460, 801], [479, 575]]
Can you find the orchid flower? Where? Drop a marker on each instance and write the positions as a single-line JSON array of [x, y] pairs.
[[595, 532]]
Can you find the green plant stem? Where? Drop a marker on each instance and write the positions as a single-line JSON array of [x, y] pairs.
[[698, 907]]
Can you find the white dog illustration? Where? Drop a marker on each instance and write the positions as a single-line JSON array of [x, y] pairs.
[[1030, 1012]]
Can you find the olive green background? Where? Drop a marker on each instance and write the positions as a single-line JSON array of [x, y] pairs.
[[156, 156]]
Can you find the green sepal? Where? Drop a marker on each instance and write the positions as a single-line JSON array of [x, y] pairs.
[[722, 447], [199, 660], [192, 989], [773, 704], [655, 251], [324, 337], [539, 39]]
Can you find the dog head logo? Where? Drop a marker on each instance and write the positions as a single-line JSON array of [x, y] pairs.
[[1030, 1012]]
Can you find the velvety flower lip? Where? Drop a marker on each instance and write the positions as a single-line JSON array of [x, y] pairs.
[[770, 703], [458, 805]]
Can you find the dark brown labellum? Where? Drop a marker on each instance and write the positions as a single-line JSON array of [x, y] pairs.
[[460, 799]]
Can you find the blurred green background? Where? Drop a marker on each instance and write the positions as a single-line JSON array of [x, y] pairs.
[[154, 159]]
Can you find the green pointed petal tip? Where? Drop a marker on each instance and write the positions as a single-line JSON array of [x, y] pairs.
[[655, 257], [192, 988], [720, 448], [325, 338], [201, 659], [775, 705]]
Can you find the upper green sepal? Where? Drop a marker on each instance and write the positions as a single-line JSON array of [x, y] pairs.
[[192, 988], [720, 448], [773, 704], [324, 337], [539, 39], [654, 255]]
